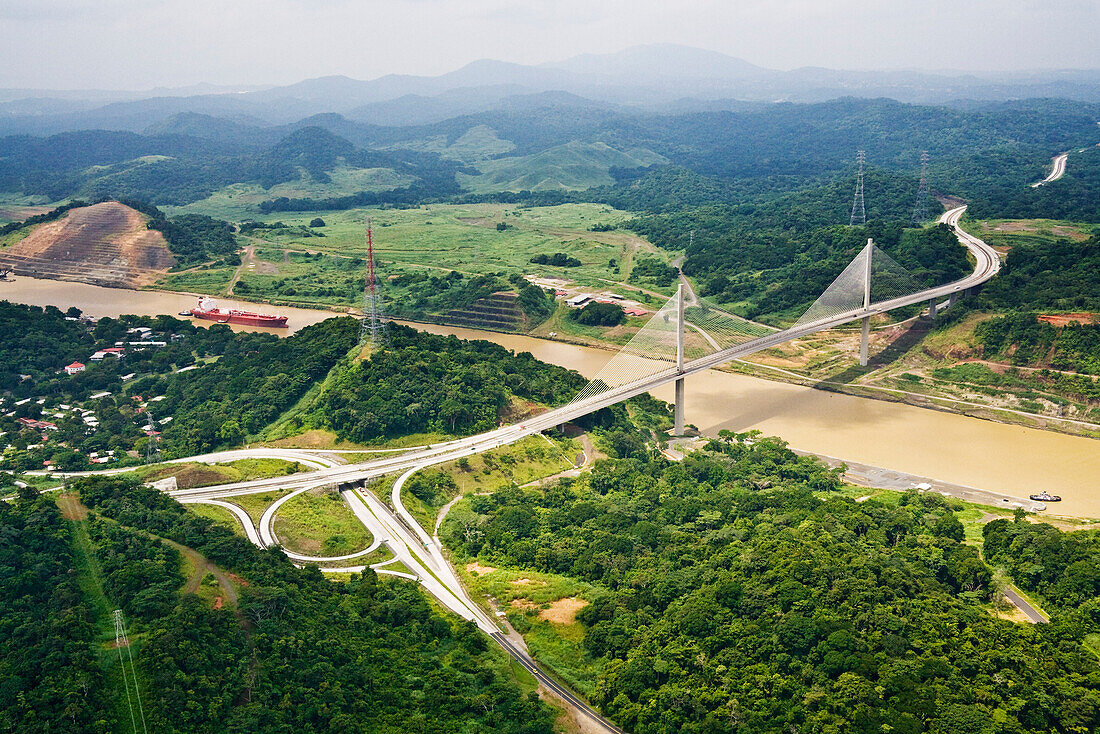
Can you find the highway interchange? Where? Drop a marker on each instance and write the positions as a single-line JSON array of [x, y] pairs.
[[421, 554]]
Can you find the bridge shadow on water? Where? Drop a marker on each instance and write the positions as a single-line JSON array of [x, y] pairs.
[[778, 401], [913, 336]]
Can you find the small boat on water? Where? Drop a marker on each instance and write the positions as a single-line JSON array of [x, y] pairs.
[[1045, 497], [208, 309]]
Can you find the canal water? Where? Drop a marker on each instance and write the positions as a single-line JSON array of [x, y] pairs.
[[997, 457]]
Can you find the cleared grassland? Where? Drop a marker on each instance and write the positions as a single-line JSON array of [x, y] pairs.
[[242, 200], [1011, 232], [208, 281], [194, 474], [218, 515], [318, 522], [542, 607], [433, 239]]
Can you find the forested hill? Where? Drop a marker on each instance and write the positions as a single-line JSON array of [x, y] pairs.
[[294, 653], [779, 148], [733, 592]]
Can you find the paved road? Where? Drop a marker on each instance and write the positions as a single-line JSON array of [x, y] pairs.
[[987, 263], [1058, 169], [422, 554], [1024, 606]]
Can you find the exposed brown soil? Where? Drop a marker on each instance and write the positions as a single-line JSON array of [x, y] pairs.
[[103, 244], [1064, 319], [475, 567], [189, 476], [563, 611], [528, 582]]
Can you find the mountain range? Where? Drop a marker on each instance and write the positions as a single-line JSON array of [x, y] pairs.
[[657, 78]]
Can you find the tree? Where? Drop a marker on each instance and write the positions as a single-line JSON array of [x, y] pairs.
[[599, 314]]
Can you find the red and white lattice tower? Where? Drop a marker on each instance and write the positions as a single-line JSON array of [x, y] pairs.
[[373, 330]]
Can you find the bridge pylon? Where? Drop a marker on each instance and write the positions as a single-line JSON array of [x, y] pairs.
[[865, 325], [678, 419]]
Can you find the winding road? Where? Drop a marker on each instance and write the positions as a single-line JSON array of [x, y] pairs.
[[421, 553], [1058, 169]]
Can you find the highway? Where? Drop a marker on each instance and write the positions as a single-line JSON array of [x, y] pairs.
[[422, 554], [1057, 170], [987, 263]]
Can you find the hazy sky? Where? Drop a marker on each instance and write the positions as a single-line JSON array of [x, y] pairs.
[[137, 44]]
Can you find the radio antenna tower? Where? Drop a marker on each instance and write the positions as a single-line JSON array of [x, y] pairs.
[[920, 211], [859, 211], [372, 331]]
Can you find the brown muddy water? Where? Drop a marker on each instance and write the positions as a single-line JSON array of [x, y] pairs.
[[997, 457]]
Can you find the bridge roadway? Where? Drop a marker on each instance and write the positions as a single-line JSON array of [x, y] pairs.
[[423, 555], [987, 263]]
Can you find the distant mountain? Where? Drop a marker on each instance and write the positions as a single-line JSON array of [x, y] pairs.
[[657, 78], [250, 131], [660, 61]]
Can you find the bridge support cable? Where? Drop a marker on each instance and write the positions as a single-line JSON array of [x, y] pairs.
[[873, 277], [676, 334]]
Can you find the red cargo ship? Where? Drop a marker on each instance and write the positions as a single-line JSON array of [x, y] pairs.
[[208, 309]]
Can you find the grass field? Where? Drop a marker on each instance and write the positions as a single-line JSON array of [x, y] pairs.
[[241, 201], [516, 464], [255, 504], [318, 522], [193, 474], [432, 239], [208, 281], [1010, 232], [572, 166], [218, 515], [542, 607]]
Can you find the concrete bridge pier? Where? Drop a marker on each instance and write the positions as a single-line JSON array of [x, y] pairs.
[[932, 309], [865, 337], [678, 428], [678, 419]]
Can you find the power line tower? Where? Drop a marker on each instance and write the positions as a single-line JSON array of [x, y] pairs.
[[372, 331], [920, 210], [859, 211], [152, 444]]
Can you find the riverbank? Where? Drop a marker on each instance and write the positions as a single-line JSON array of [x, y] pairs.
[[952, 448], [99, 301]]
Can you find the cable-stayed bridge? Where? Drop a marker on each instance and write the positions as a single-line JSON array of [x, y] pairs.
[[684, 337], [680, 340]]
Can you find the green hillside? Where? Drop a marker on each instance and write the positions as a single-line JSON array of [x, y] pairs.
[[572, 166]]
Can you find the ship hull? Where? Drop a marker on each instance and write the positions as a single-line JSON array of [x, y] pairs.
[[244, 318]]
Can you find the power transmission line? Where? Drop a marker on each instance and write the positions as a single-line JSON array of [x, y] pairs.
[[121, 641]]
